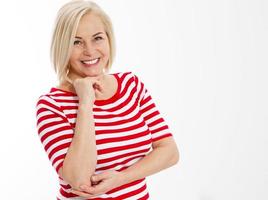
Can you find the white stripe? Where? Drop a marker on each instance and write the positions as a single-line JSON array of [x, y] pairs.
[[115, 119], [61, 133], [148, 112], [51, 128], [147, 103], [71, 111], [55, 145], [68, 103], [129, 189], [42, 114], [153, 119], [120, 126], [65, 97], [107, 164], [159, 134], [51, 101], [58, 153], [121, 134], [157, 126], [124, 143], [118, 153], [55, 165], [46, 121], [138, 196], [118, 167], [120, 101]]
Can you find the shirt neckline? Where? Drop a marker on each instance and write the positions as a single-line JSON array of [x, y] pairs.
[[112, 99]]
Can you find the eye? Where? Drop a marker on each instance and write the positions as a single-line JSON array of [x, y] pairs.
[[98, 38], [77, 42]]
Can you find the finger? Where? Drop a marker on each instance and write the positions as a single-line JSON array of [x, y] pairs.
[[97, 178], [100, 188], [98, 87], [101, 176], [86, 189]]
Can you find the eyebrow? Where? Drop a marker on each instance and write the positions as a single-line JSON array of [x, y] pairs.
[[92, 36]]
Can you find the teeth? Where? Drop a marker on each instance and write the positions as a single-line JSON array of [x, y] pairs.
[[91, 62]]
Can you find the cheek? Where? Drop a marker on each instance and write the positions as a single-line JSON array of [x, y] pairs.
[[74, 56], [105, 48]]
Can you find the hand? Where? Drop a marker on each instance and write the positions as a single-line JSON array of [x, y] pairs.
[[101, 183], [87, 88]]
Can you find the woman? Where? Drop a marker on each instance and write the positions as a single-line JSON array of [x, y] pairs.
[[102, 132]]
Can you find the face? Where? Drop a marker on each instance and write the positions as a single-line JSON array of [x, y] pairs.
[[90, 51]]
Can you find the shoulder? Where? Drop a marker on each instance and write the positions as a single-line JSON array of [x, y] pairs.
[[48, 101], [128, 77]]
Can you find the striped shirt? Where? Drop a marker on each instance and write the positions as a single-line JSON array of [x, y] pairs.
[[125, 126]]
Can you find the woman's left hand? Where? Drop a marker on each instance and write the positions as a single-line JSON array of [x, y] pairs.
[[101, 183]]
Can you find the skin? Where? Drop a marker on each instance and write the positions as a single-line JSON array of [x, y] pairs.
[[91, 83], [91, 42]]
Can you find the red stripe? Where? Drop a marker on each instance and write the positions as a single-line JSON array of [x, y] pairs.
[[156, 122], [119, 130], [57, 139], [121, 148], [52, 132], [145, 197], [119, 122], [123, 138], [58, 148], [161, 137], [159, 129], [106, 160], [125, 186], [45, 102], [132, 193], [119, 163], [151, 115]]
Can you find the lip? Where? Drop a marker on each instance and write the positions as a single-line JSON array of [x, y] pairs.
[[90, 65]]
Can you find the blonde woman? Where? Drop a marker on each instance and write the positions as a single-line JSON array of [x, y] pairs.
[[102, 132]]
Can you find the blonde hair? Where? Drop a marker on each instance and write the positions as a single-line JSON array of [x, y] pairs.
[[65, 29]]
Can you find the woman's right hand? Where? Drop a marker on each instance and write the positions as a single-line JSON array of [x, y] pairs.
[[87, 89]]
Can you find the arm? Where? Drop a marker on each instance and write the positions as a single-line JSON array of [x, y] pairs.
[[164, 155], [71, 152], [80, 161], [165, 152]]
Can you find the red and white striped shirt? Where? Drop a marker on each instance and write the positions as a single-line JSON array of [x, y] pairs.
[[125, 126]]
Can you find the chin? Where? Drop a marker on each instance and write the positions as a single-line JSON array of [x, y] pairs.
[[93, 74]]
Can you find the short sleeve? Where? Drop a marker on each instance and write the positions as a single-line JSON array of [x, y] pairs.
[[54, 130], [152, 117]]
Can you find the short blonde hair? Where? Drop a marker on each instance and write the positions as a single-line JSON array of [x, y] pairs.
[[65, 29]]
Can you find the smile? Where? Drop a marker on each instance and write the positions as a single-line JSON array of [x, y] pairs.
[[90, 62]]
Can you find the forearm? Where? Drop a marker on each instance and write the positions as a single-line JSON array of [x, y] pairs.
[[158, 159], [80, 160]]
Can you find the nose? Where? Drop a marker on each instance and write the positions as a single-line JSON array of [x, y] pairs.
[[88, 49]]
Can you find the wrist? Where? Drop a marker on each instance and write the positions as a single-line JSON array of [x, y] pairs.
[[124, 177], [85, 105]]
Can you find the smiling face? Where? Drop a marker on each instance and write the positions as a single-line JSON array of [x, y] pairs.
[[90, 52]]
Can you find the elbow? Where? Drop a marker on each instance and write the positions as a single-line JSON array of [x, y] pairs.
[[75, 180], [175, 156]]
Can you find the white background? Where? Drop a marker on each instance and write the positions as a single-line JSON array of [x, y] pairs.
[[205, 64]]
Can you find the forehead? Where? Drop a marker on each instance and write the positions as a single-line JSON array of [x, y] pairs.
[[89, 25]]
